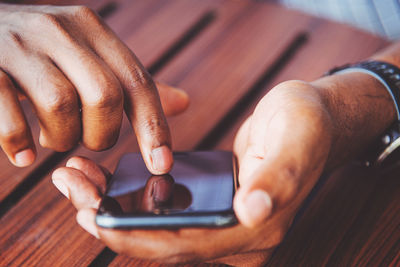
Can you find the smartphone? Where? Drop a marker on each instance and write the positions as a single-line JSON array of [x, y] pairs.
[[198, 192]]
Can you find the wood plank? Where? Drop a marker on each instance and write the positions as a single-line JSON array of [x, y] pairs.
[[373, 237], [362, 225], [135, 30]]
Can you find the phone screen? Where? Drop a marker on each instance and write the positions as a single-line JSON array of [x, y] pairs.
[[201, 184]]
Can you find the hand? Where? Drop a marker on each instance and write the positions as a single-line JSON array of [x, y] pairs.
[[78, 77], [281, 149]]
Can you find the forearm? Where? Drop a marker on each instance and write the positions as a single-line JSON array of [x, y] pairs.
[[360, 108]]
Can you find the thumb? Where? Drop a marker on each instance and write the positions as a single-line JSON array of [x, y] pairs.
[[173, 100], [282, 150], [270, 186]]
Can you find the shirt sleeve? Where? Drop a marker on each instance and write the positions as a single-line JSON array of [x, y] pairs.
[[380, 17]]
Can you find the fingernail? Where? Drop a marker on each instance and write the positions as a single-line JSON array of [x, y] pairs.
[[61, 187], [259, 206], [85, 223], [162, 159], [24, 158]]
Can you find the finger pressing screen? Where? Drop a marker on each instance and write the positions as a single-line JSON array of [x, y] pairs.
[[141, 99]]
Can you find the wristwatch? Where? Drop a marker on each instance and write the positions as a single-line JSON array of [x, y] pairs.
[[389, 75]]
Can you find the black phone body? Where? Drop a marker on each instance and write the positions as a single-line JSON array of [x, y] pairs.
[[198, 192]]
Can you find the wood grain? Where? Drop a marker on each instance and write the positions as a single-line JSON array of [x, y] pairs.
[[353, 220]]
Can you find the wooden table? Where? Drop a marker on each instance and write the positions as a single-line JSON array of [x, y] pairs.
[[226, 54]]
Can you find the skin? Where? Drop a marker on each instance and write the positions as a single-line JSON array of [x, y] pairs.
[[77, 74]]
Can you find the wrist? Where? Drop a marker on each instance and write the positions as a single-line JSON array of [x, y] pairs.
[[360, 108]]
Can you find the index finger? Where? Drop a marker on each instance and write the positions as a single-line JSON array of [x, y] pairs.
[[141, 100]]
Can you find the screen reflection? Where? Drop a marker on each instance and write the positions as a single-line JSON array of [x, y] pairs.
[[198, 182], [160, 195]]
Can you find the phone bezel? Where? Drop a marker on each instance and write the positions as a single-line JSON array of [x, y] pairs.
[[217, 219]]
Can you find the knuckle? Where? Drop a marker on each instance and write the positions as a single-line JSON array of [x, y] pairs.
[[293, 83], [290, 174], [54, 25], [107, 97], [46, 20], [13, 39], [140, 79], [56, 103], [101, 145], [84, 12], [13, 134], [87, 14], [289, 179], [276, 237], [104, 100], [54, 136], [288, 90]]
